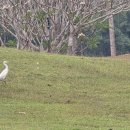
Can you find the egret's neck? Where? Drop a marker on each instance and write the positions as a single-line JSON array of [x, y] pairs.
[[6, 66]]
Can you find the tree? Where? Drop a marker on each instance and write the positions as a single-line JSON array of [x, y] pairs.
[[111, 30], [122, 36], [112, 26], [52, 24]]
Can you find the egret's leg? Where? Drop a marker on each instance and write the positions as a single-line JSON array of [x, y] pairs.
[[5, 81]]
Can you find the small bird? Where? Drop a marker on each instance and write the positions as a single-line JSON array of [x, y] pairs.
[[5, 71]]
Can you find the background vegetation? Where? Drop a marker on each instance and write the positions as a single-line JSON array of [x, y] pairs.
[[97, 37], [122, 32]]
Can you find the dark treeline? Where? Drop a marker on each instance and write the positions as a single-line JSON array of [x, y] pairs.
[[122, 37]]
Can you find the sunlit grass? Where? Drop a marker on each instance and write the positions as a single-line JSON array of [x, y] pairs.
[[54, 92]]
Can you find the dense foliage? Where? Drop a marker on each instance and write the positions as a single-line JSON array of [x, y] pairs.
[[122, 33]]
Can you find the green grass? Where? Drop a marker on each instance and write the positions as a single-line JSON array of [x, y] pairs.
[[55, 92]]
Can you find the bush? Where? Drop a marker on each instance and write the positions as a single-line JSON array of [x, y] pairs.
[[11, 43]]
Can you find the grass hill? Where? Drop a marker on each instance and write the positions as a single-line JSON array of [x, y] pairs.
[[55, 92]]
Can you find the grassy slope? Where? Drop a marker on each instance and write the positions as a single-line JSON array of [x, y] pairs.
[[64, 93]]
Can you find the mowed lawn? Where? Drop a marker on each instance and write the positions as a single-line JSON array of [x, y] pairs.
[[55, 92]]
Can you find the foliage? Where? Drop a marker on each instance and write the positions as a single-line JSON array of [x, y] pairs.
[[77, 19], [28, 15], [11, 43], [41, 15], [51, 26], [30, 20], [46, 44], [122, 33], [94, 38]]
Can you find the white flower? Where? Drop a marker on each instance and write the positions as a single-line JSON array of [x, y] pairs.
[[81, 35], [82, 3]]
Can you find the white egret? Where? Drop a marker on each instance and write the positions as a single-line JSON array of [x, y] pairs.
[[4, 73]]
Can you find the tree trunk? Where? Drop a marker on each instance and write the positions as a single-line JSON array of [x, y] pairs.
[[72, 45], [72, 42], [111, 29], [112, 36], [1, 42]]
